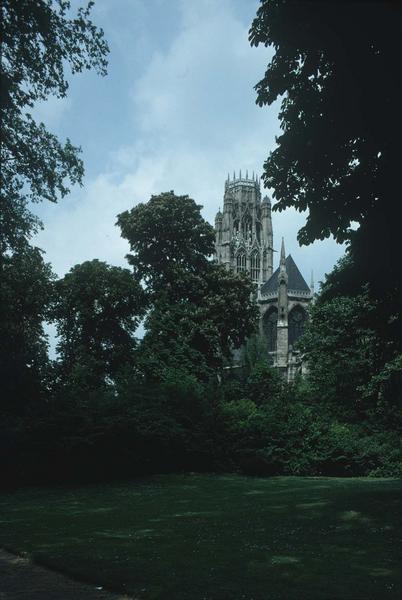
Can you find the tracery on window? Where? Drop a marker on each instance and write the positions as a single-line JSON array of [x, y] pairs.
[[269, 323], [258, 231], [255, 267], [241, 262], [296, 323], [247, 228]]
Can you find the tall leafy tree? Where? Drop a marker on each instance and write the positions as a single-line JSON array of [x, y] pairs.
[[336, 69], [169, 240], [97, 310], [342, 351], [198, 311], [39, 38], [353, 366], [25, 290]]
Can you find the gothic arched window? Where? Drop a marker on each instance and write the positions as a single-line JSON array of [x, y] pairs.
[[296, 321], [241, 262], [270, 322], [255, 266], [247, 228], [258, 231]]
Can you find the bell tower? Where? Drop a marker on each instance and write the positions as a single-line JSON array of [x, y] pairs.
[[244, 229]]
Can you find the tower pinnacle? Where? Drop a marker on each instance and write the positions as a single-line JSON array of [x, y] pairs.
[[283, 256]]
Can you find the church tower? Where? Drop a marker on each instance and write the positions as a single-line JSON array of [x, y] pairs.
[[244, 229], [244, 244]]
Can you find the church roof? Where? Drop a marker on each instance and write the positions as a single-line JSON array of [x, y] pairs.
[[296, 280]]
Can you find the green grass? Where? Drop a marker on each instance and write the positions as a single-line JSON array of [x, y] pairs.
[[214, 537]]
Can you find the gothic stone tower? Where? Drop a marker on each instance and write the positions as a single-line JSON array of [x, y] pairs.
[[244, 243], [244, 229]]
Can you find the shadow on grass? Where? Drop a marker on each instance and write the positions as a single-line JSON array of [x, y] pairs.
[[238, 537]]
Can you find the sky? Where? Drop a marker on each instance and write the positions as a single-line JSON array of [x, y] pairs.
[[176, 112]]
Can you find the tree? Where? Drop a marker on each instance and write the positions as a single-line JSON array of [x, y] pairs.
[[25, 293], [97, 310], [342, 351], [336, 68], [354, 367], [38, 38], [199, 335], [198, 311], [168, 238]]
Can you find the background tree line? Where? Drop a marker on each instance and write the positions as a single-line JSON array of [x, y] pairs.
[[112, 405]]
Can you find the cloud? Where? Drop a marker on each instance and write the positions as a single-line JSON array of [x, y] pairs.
[[52, 110], [193, 119]]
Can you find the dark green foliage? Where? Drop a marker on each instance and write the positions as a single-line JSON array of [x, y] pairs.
[[169, 239], [353, 365], [110, 406], [337, 71], [178, 336], [97, 310], [265, 383], [25, 290], [341, 349], [230, 306], [198, 310], [199, 335], [39, 38], [337, 68], [265, 431]]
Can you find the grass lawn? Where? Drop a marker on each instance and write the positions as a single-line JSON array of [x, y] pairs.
[[216, 537]]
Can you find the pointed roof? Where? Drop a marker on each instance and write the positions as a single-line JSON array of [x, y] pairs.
[[296, 280]]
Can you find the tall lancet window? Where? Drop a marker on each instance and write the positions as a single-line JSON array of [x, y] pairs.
[[241, 262], [255, 266], [247, 228], [269, 323], [296, 322]]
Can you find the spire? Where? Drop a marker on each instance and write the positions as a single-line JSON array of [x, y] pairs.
[[234, 175], [240, 174], [228, 177], [253, 175], [246, 173], [312, 282], [283, 256]]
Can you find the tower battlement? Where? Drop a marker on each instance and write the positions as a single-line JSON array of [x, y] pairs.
[[251, 182]]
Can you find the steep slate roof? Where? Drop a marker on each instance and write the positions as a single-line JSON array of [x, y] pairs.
[[295, 279]]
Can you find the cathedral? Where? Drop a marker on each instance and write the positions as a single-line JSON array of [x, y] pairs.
[[244, 244]]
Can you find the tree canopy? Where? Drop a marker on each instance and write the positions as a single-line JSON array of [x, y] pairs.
[[168, 237], [336, 69], [25, 293], [97, 309], [40, 39], [198, 312]]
